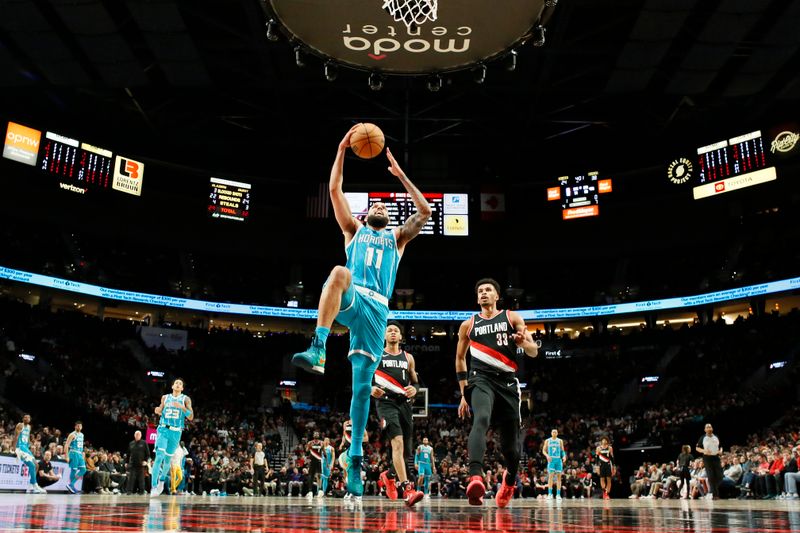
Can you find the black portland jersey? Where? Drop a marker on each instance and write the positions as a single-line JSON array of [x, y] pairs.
[[393, 375], [491, 345]]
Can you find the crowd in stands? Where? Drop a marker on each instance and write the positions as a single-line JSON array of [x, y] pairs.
[[87, 365]]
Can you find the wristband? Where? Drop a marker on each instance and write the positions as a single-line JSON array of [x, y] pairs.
[[461, 376]]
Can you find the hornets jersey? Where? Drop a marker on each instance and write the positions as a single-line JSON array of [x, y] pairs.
[[554, 449], [424, 454], [372, 259], [172, 415], [24, 437], [77, 442]]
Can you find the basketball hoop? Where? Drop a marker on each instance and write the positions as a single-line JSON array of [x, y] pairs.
[[412, 13]]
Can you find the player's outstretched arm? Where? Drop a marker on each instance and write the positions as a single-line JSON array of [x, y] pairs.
[[189, 409], [414, 224], [341, 207], [412, 389], [461, 367], [523, 337]]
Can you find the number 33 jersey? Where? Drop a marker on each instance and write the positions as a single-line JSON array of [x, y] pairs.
[[491, 345]]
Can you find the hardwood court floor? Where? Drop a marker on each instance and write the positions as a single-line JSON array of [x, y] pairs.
[[52, 512]]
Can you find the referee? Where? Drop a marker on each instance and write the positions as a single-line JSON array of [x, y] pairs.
[[394, 386], [708, 445], [493, 338]]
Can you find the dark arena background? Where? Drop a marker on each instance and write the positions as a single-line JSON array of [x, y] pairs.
[[627, 170]]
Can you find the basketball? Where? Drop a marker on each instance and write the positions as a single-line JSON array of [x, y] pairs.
[[367, 141]]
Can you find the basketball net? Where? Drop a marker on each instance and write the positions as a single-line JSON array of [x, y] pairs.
[[411, 12]]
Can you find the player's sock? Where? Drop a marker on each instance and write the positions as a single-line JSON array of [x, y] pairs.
[[156, 473], [426, 485], [322, 334], [324, 485], [558, 493], [549, 491], [31, 471], [363, 370]]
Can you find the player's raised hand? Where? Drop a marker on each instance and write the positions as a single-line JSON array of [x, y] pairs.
[[463, 409], [394, 168], [346, 139], [522, 336]]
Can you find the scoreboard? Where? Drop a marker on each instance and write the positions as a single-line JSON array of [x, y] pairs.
[[449, 211], [579, 195], [77, 166], [79, 163], [732, 164], [229, 200]]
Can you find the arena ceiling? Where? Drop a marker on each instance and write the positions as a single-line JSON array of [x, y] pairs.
[[166, 76]]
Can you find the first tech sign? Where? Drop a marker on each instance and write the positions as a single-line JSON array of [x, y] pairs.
[[128, 176]]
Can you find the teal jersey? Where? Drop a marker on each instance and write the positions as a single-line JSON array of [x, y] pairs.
[[24, 439], [77, 442], [424, 454], [172, 415], [554, 449], [328, 454], [372, 259]]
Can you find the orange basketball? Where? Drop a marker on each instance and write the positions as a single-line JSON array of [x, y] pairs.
[[367, 141]]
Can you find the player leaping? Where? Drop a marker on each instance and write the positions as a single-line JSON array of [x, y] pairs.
[[357, 295]]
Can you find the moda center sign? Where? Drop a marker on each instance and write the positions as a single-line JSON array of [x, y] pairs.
[[361, 34]]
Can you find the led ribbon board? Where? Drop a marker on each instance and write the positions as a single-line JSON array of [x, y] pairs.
[[283, 312]]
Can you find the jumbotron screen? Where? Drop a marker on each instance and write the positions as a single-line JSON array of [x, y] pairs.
[[449, 211], [229, 200]]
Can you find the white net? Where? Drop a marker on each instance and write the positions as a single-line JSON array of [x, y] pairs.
[[411, 12]]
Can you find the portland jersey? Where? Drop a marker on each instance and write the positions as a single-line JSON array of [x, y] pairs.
[[172, 415], [372, 259], [77, 442], [554, 449], [24, 437], [316, 449], [491, 345], [605, 456], [424, 454], [393, 375]]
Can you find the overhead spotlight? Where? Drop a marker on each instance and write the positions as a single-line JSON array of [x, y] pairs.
[[479, 74], [551, 3], [272, 30], [376, 81], [331, 70], [435, 83], [298, 56], [511, 61], [538, 36]]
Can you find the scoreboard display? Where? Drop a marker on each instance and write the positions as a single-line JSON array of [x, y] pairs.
[[579, 195], [449, 211], [732, 164], [74, 162], [77, 166], [229, 200]]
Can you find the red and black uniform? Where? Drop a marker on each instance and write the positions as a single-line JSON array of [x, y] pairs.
[[605, 460], [315, 464], [394, 408], [493, 390]]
